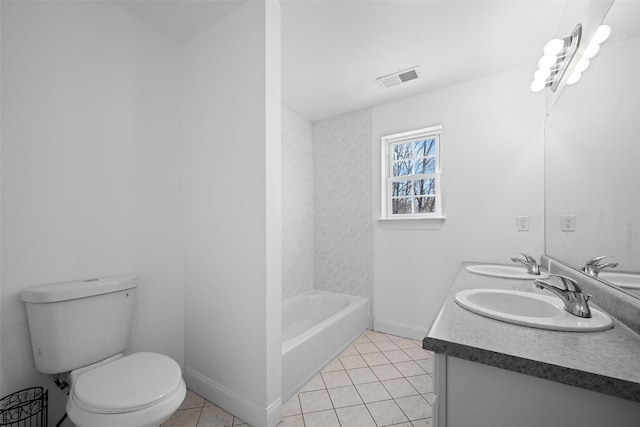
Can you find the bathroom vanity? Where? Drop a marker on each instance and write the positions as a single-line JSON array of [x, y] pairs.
[[492, 373]]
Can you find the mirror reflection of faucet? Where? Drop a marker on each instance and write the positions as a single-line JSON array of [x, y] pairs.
[[575, 301], [593, 266], [625, 280], [529, 262]]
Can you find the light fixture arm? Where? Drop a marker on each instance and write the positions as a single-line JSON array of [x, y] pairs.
[[571, 44]]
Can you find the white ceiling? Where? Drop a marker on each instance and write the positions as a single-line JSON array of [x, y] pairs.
[[180, 19], [332, 51]]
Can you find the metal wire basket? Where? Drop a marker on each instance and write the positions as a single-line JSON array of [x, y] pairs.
[[24, 408]]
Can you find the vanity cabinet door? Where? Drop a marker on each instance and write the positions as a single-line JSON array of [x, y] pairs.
[[470, 394]]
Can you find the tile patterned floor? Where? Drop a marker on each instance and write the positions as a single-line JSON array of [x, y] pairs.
[[380, 380]]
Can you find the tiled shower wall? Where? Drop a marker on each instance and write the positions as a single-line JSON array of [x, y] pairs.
[[343, 227], [297, 204], [327, 231]]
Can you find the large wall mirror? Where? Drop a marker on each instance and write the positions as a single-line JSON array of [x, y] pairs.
[[592, 157]]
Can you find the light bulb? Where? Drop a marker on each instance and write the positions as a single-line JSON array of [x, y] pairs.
[[602, 33], [547, 61], [575, 76], [591, 51], [538, 85], [553, 47], [542, 74], [582, 65]]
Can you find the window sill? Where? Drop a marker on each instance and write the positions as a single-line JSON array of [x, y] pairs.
[[434, 223]]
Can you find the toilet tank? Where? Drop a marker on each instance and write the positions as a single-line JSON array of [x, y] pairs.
[[75, 324]]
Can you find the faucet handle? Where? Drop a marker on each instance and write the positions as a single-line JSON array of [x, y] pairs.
[[529, 262], [596, 260], [527, 257], [568, 283]]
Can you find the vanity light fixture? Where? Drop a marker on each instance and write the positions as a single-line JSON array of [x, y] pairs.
[[602, 33], [558, 53]]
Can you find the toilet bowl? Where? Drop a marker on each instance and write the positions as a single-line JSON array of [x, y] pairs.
[[139, 390], [82, 328]]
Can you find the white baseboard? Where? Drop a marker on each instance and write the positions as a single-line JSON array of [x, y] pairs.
[[399, 329], [243, 408]]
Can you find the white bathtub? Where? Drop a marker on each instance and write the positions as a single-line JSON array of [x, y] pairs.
[[316, 327]]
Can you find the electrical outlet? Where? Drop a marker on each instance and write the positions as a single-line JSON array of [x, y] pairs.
[[567, 223], [523, 223]]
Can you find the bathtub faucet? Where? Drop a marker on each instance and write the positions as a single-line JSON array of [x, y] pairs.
[[529, 262]]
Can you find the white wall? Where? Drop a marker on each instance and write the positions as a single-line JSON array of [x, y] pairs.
[[231, 163], [90, 180], [492, 166], [297, 204], [1, 238], [343, 230], [92, 184], [492, 172]]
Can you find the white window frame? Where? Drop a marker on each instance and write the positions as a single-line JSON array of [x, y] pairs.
[[387, 176]]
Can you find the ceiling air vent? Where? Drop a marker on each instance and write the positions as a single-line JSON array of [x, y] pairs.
[[399, 77]]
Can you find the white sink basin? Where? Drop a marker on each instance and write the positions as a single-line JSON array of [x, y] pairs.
[[529, 309], [505, 271], [624, 280]]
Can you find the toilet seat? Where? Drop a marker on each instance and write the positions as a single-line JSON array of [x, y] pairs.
[[128, 384]]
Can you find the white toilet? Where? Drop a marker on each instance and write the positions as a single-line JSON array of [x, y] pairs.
[[80, 329]]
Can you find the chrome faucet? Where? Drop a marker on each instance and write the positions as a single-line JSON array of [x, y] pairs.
[[529, 262], [575, 301], [593, 266]]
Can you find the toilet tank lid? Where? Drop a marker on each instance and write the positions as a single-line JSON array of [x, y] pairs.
[[78, 289]]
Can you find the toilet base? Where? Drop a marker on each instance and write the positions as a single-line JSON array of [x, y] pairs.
[[153, 416]]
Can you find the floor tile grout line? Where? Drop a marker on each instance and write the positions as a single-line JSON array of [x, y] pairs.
[[365, 405], [404, 377], [412, 386], [356, 388]]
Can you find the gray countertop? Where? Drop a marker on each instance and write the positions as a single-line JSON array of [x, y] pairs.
[[606, 362]]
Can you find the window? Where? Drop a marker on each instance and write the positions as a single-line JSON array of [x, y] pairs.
[[411, 174]]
